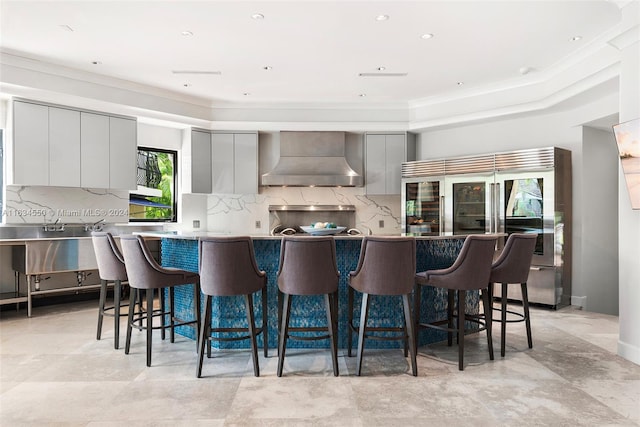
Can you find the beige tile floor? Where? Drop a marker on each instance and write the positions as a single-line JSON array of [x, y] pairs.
[[54, 372]]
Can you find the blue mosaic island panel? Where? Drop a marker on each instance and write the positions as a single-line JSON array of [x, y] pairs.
[[310, 311]]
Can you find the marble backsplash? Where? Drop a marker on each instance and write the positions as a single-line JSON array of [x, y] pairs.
[[40, 205], [225, 213], [229, 213]]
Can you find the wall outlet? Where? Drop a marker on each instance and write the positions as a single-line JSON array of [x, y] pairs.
[[258, 224], [196, 223], [381, 223]]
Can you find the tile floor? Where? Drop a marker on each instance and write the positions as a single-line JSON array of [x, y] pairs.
[[54, 372]]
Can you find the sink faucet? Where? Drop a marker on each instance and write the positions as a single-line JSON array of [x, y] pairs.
[[54, 226], [96, 226]]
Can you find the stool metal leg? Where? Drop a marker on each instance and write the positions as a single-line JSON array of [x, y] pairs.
[[364, 314], [248, 301], [503, 326], [116, 314], [103, 297], [411, 331], [525, 305], [149, 326], [204, 331], [329, 305], [284, 331], [462, 299]]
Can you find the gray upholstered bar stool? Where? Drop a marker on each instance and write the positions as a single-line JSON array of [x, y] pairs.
[[111, 269], [387, 266], [308, 267], [469, 272], [145, 273], [228, 268], [512, 266]]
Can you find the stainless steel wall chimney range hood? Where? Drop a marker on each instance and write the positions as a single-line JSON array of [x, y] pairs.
[[312, 159]]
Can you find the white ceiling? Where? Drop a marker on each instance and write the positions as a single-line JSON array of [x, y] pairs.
[[316, 48]]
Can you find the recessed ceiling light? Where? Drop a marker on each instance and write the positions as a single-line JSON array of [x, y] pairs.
[[246, 94], [460, 83], [186, 33], [187, 85], [257, 16], [575, 38], [362, 95], [382, 17], [381, 68], [96, 62], [66, 28], [524, 70], [427, 36], [267, 67]]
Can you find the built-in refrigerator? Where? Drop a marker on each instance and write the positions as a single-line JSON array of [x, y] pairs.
[[526, 191]]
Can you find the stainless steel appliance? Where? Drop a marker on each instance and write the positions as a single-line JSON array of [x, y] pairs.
[[287, 219], [522, 191]]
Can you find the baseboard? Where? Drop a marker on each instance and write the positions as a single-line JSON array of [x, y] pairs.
[[629, 352], [579, 301]]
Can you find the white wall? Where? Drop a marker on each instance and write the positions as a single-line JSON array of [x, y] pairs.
[[561, 128], [599, 277], [629, 220]]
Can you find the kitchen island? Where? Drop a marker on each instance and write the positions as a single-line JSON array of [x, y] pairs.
[[181, 251]]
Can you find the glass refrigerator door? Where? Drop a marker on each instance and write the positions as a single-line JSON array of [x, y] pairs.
[[422, 207], [527, 206], [468, 204]]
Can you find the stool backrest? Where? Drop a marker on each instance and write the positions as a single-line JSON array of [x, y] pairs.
[[308, 265], [142, 269], [387, 266], [110, 261], [228, 266], [513, 264], [471, 268]]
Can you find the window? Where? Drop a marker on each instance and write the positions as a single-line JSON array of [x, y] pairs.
[[155, 198]]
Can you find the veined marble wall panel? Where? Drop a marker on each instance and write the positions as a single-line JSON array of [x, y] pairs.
[[37, 205], [234, 213]]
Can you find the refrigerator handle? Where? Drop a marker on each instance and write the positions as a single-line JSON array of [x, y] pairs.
[[492, 201], [496, 207], [441, 221]]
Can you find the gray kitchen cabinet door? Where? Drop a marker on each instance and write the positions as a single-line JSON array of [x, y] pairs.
[[384, 156], [123, 149], [94, 150], [395, 155], [222, 162], [245, 163], [30, 144], [375, 164], [201, 180], [64, 147]]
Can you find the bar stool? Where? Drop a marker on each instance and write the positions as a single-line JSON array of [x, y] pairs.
[[145, 273], [512, 266], [111, 269], [308, 267], [387, 266], [470, 271], [228, 268]]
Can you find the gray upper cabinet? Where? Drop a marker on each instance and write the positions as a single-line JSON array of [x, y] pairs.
[[223, 162], [94, 150], [65, 147], [30, 144], [245, 163], [201, 162], [384, 155], [123, 151], [231, 166]]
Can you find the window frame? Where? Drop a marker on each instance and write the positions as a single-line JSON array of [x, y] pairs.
[[174, 207]]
